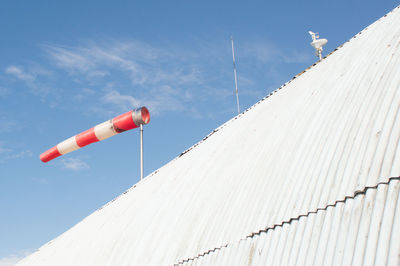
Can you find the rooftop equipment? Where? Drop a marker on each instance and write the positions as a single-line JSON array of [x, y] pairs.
[[317, 43]]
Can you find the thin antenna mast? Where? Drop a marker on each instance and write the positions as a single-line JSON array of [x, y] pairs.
[[234, 72]]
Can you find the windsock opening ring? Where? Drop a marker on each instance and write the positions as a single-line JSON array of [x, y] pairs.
[[121, 123], [144, 114]]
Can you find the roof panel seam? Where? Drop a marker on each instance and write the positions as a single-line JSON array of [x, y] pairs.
[[265, 230]]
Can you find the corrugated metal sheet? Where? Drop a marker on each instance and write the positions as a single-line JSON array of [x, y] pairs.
[[286, 164], [359, 230]]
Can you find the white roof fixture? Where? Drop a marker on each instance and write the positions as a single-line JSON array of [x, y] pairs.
[[317, 43]]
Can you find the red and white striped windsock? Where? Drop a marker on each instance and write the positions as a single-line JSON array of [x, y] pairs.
[[121, 123]]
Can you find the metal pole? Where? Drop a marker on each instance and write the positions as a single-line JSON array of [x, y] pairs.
[[141, 152], [234, 72]]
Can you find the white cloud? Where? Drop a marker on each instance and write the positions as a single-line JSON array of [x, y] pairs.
[[10, 154], [7, 125], [297, 57], [165, 77], [10, 260], [161, 79], [19, 73], [262, 52], [70, 59], [168, 98], [14, 258], [158, 99], [83, 94], [30, 78], [144, 64], [124, 101], [37, 70], [265, 52], [74, 164], [21, 155], [92, 59], [3, 150]]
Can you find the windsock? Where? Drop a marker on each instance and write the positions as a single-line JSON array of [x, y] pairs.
[[121, 123]]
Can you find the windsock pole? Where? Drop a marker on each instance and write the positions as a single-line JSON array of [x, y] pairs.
[[141, 152], [130, 120]]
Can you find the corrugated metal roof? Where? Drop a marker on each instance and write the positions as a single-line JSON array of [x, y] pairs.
[[362, 229], [299, 163]]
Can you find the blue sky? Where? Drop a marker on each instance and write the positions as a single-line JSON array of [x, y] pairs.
[[66, 67]]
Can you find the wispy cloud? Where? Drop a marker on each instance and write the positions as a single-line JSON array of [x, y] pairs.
[[12, 259], [266, 52], [84, 93], [10, 154], [74, 164], [30, 76], [297, 57], [19, 73], [144, 64], [118, 75], [21, 155], [3, 148], [118, 99], [163, 79], [7, 125]]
